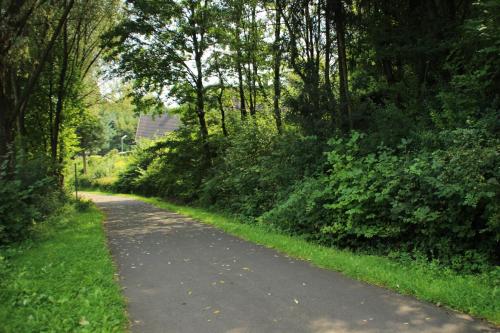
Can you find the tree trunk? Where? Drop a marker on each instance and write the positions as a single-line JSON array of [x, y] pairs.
[[220, 96], [243, 109], [200, 95], [60, 101], [345, 102], [13, 99], [277, 66], [328, 48], [200, 101], [253, 38], [7, 119], [251, 103], [84, 159], [253, 111], [388, 72], [222, 112], [239, 69], [62, 24]]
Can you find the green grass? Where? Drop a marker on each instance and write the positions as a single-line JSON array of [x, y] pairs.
[[477, 295], [62, 280]]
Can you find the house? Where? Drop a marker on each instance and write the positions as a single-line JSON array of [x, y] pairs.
[[155, 126]]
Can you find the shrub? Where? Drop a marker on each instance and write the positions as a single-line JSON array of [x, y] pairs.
[[102, 171], [257, 167], [301, 212], [27, 196], [443, 202], [172, 167]]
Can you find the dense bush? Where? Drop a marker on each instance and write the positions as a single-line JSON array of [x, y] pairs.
[[256, 168], [249, 172], [173, 168], [27, 196], [443, 203]]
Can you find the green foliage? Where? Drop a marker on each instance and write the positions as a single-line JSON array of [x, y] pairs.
[[255, 168], [27, 196], [49, 51], [474, 87], [118, 118], [441, 202], [90, 133], [301, 212], [250, 173], [173, 167], [102, 171]]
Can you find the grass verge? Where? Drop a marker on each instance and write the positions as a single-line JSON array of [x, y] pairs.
[[62, 280], [477, 295]]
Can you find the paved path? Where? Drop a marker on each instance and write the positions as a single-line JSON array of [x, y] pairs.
[[183, 276]]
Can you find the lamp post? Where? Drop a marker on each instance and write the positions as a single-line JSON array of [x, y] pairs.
[[123, 137]]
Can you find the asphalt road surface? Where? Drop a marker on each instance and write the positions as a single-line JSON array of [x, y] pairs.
[[180, 275]]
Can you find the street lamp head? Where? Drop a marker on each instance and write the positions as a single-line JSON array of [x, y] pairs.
[[123, 137]]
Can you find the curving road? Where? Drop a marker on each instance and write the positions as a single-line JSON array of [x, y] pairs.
[[180, 275]]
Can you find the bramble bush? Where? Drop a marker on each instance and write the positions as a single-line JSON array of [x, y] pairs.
[[443, 203]]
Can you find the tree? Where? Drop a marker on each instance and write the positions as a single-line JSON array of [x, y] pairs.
[[21, 70], [91, 136], [339, 17], [161, 43], [304, 22], [277, 64], [48, 56]]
